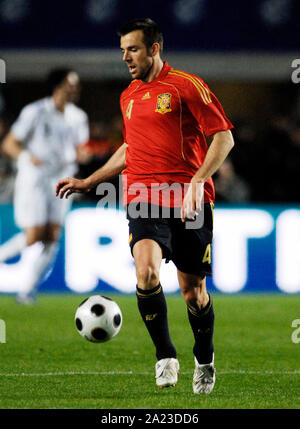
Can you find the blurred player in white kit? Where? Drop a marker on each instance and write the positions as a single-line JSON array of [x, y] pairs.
[[43, 141]]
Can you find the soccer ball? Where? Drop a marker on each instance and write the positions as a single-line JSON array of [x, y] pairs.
[[98, 319]]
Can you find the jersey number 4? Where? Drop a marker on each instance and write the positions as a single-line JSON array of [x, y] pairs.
[[129, 109], [207, 254]]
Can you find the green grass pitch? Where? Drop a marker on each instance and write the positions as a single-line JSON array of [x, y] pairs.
[[45, 363]]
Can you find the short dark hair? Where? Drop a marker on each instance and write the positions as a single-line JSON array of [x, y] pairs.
[[152, 32], [55, 78]]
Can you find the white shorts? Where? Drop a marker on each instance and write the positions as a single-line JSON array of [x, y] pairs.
[[35, 203]]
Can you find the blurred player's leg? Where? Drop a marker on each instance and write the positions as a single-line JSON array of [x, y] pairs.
[[13, 246], [153, 309], [41, 240], [38, 255], [201, 318]]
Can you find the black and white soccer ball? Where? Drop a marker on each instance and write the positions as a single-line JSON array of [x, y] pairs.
[[98, 319]]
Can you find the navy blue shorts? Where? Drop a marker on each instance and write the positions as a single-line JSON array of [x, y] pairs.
[[189, 249]]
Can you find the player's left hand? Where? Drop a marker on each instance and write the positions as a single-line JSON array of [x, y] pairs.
[[193, 200]]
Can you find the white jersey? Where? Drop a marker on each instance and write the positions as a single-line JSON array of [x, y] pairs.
[[51, 135]]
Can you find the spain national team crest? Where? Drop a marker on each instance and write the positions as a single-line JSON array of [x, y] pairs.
[[163, 103]]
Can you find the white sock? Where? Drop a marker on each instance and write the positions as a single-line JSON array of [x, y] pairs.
[[13, 246], [37, 258]]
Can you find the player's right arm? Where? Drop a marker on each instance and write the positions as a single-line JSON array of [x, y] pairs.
[[12, 147], [114, 166], [13, 144]]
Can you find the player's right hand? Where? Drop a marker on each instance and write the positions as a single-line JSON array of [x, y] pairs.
[[69, 186]]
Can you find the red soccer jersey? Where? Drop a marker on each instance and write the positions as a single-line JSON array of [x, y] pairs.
[[165, 123]]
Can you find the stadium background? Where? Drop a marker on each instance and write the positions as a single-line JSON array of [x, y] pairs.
[[244, 51]]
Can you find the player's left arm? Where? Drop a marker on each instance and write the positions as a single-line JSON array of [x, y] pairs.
[[219, 148], [209, 113], [221, 144]]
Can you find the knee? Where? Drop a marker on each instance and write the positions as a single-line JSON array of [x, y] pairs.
[[34, 237], [190, 297], [195, 295], [53, 233], [147, 277]]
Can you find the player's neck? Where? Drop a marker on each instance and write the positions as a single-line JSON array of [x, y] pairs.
[[60, 101], [154, 71]]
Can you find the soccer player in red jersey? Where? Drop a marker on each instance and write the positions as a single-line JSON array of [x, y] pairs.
[[166, 162]]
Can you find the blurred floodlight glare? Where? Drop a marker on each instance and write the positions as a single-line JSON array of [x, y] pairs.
[[101, 11], [14, 11], [189, 11], [276, 12]]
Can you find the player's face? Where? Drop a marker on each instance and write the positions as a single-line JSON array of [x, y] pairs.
[[136, 55], [71, 87]]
